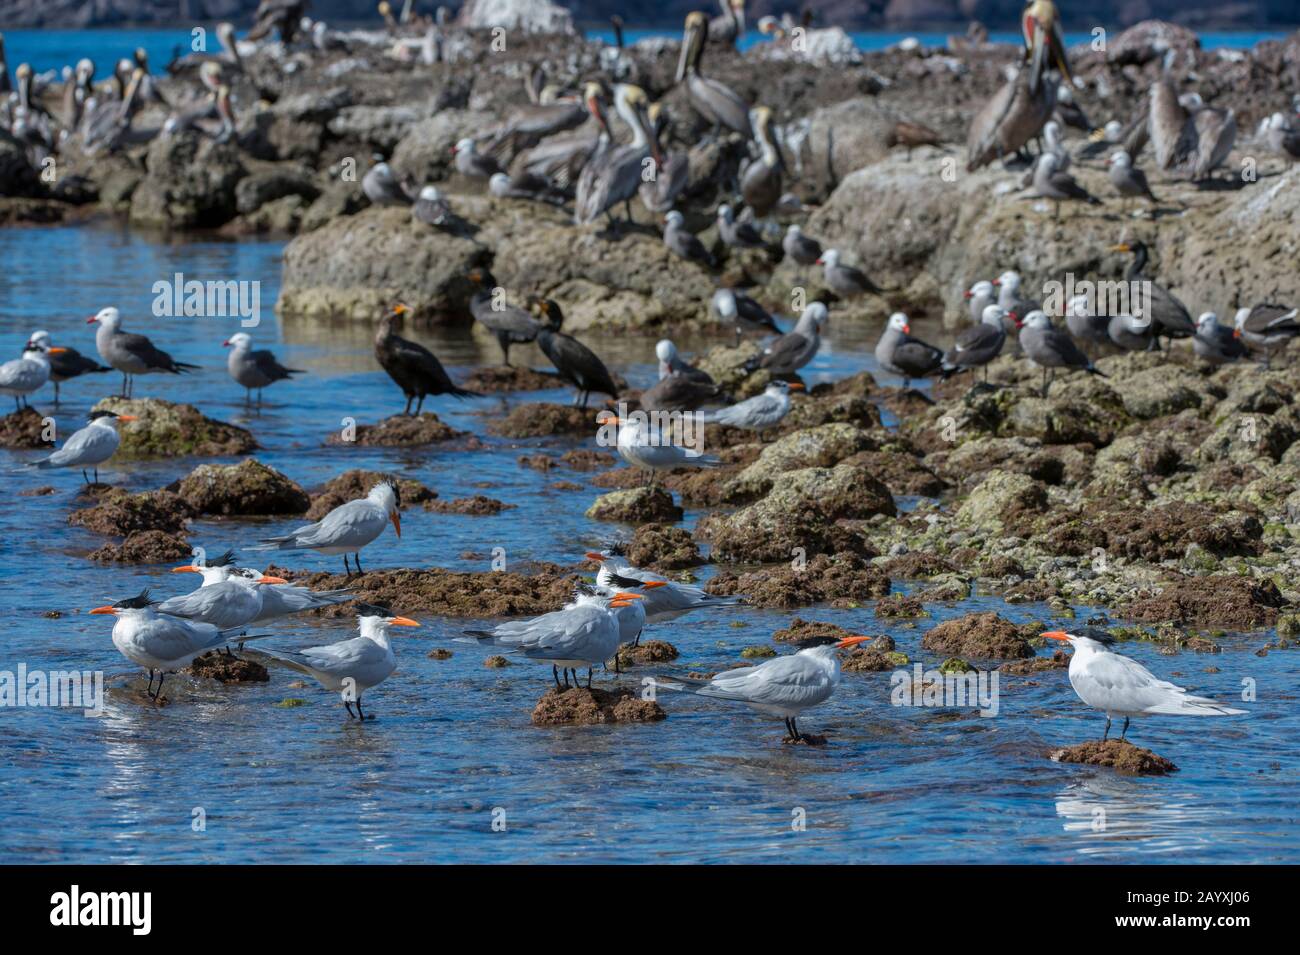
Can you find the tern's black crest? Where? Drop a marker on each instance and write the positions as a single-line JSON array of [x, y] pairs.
[[224, 560], [96, 415], [1101, 636], [809, 642], [138, 602], [371, 610], [618, 580]]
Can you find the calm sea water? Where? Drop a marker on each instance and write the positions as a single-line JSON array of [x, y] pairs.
[[453, 743], [54, 49]]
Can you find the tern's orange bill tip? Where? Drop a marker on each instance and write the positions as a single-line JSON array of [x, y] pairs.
[[851, 642], [797, 386], [108, 610], [187, 569], [404, 622], [266, 579], [624, 595], [620, 604], [1056, 635], [397, 523], [652, 584], [592, 555], [57, 350], [128, 417]]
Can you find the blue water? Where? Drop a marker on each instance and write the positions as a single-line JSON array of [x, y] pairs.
[[54, 49], [453, 742]]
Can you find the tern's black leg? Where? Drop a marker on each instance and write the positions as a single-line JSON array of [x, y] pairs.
[[123, 384], [84, 477], [346, 569], [97, 474], [555, 675], [788, 728], [348, 707], [794, 725], [360, 713], [356, 559], [1125, 729], [157, 695], [1107, 733], [589, 678], [149, 689]]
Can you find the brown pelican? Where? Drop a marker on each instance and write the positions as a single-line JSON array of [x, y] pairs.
[[414, 368], [760, 180], [76, 92], [718, 104], [109, 124], [615, 175], [729, 27], [529, 125], [561, 158], [1191, 144], [227, 58], [577, 364], [149, 90], [1019, 110], [281, 15]]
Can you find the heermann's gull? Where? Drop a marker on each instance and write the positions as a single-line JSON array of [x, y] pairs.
[[1128, 180], [1050, 182], [737, 235], [845, 280], [978, 345], [381, 186], [718, 104], [1215, 343], [254, 369], [614, 175], [1052, 144], [1132, 334], [1267, 328], [88, 447], [1170, 317], [898, 353], [760, 412], [1083, 324], [730, 27], [761, 178], [65, 363], [685, 244], [528, 186], [741, 312], [431, 208], [472, 163], [414, 368], [802, 249], [577, 364], [510, 325], [1070, 112], [1009, 297], [979, 296], [681, 386], [787, 354], [22, 376], [129, 353], [1049, 348]]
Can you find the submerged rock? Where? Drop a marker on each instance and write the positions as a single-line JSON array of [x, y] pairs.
[[642, 505], [535, 419], [1120, 755], [478, 505], [119, 513], [1238, 603], [23, 429], [844, 580], [228, 669], [981, 635], [647, 652], [660, 546], [401, 431], [247, 488], [356, 483], [167, 430], [144, 547], [800, 629], [582, 707], [502, 379]]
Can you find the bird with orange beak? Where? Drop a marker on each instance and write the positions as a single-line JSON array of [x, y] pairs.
[[89, 447], [1119, 686], [783, 686], [347, 528], [22, 376], [160, 642], [664, 599], [226, 599], [584, 633], [350, 667]]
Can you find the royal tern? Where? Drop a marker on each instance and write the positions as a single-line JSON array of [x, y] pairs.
[[584, 633], [161, 642], [347, 528], [667, 602], [350, 667], [647, 448], [283, 599], [784, 686], [88, 447], [129, 353], [226, 599], [22, 376], [1119, 686], [760, 412]]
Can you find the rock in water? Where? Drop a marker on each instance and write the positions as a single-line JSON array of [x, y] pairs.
[[228, 669], [983, 635], [23, 429], [246, 488], [578, 706], [649, 651], [167, 430], [1120, 755], [538, 419], [642, 505], [401, 431], [144, 547]]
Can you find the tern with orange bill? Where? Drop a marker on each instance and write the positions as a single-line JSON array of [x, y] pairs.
[[1119, 686], [347, 528], [784, 686], [353, 666], [583, 634], [160, 642], [648, 448], [89, 447], [760, 412], [668, 601], [226, 599]]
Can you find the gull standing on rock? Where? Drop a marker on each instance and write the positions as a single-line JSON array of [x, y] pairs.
[[1131, 333], [1128, 180], [1052, 182], [898, 353], [803, 250], [979, 344], [784, 687], [431, 208], [1119, 686], [741, 312], [684, 244], [1215, 343], [254, 369], [472, 164], [129, 353], [761, 179], [65, 363], [760, 412], [23, 376], [737, 235], [681, 386], [1267, 328], [786, 355], [88, 447], [346, 529], [350, 667], [381, 186], [1049, 348], [979, 297], [845, 280], [1084, 325]]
